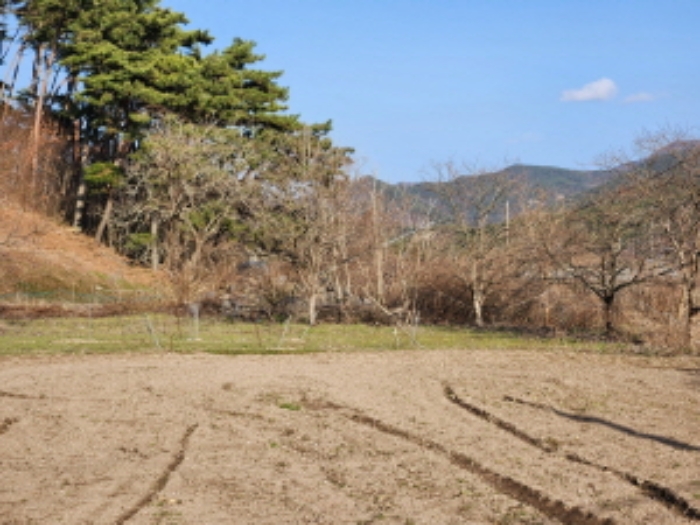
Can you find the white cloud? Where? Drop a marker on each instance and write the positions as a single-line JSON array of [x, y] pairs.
[[602, 89], [640, 97]]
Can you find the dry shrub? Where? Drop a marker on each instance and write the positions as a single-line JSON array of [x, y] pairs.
[[252, 289], [198, 279], [521, 302], [441, 298], [650, 312], [42, 184], [570, 309], [271, 289]]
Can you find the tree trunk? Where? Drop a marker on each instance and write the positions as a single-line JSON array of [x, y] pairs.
[[378, 248], [155, 255], [686, 314], [608, 315], [313, 310], [106, 215], [41, 72], [478, 295], [478, 309], [79, 203]]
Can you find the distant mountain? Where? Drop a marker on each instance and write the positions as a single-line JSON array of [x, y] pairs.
[[526, 182], [559, 182]]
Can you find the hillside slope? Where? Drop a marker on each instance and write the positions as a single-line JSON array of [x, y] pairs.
[[41, 256]]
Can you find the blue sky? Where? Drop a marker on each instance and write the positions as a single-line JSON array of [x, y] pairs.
[[410, 83]]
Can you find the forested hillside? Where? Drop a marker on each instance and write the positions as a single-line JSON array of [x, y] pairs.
[[118, 120], [548, 184]]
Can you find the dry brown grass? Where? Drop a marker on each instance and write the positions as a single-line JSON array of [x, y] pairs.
[[40, 254]]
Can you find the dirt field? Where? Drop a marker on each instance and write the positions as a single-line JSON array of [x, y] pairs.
[[398, 437]]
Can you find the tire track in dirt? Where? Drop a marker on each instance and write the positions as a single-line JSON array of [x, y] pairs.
[[548, 446], [6, 423], [664, 440], [12, 395], [40, 397], [552, 508], [162, 480], [526, 495], [650, 489]]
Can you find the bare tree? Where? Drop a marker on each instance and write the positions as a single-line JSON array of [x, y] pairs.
[[182, 200], [475, 212], [666, 180], [297, 206], [601, 244]]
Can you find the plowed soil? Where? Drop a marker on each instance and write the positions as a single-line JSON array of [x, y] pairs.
[[436, 437]]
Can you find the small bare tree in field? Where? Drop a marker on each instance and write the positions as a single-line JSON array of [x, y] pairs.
[[298, 211], [385, 248], [475, 213], [381, 229], [180, 205], [602, 245], [665, 179]]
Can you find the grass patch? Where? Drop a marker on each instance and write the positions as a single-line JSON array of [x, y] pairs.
[[141, 333], [294, 407]]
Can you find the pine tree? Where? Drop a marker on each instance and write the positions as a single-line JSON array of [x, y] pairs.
[[227, 92], [111, 70], [132, 59], [131, 56]]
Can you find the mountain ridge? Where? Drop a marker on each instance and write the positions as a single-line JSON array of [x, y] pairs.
[[528, 183]]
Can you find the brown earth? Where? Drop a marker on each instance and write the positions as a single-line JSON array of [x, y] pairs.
[[434, 437]]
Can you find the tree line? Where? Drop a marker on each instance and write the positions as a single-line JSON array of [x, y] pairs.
[[115, 118], [96, 76]]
